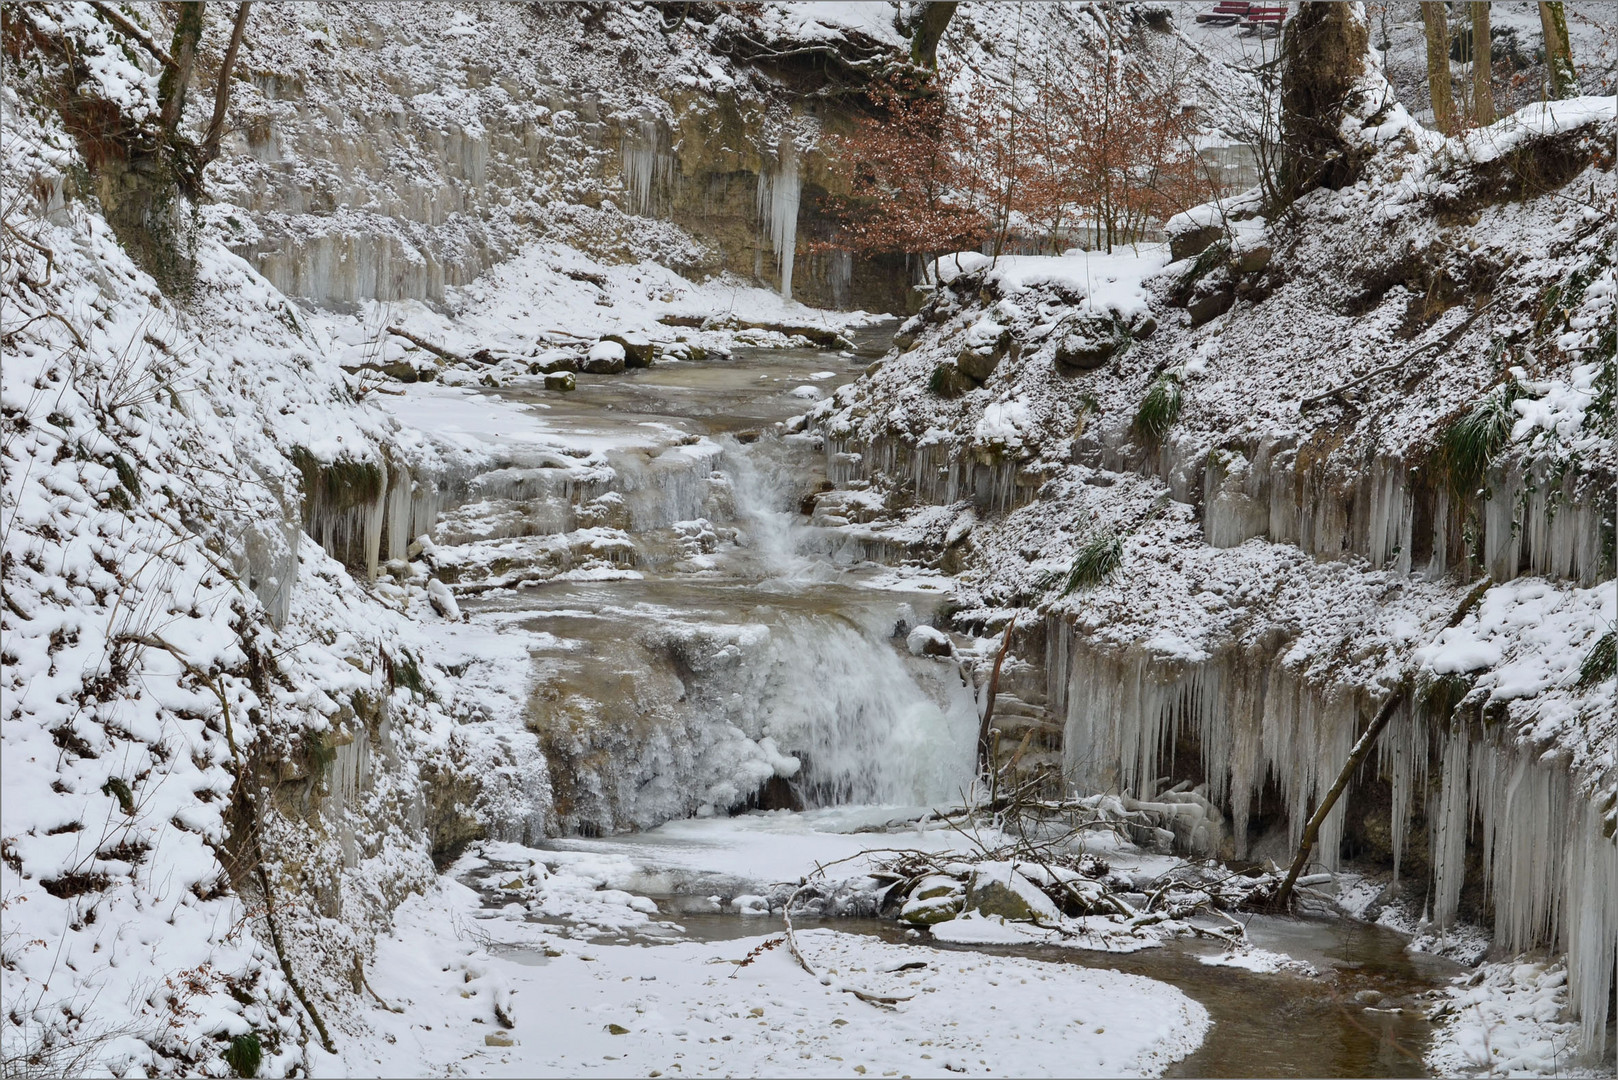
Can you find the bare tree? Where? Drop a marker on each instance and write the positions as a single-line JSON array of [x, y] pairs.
[[1482, 66], [1435, 19], [221, 94], [1564, 80]]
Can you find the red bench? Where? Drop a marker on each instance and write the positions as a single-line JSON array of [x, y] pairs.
[[1225, 13], [1263, 17]]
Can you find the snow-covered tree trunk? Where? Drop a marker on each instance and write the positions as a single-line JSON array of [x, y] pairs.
[[927, 29], [177, 76], [1564, 80], [1435, 20]]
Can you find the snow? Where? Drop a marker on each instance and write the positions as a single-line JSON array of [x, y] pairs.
[[920, 637], [1100, 282], [811, 20], [1002, 422], [1507, 1019], [768, 848], [1540, 119], [691, 1007], [167, 613], [1262, 961]]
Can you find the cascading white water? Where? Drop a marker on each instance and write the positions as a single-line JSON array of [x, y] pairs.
[[762, 487], [875, 725], [872, 726], [778, 196]]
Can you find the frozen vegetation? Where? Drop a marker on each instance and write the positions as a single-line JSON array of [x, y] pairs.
[[481, 598]]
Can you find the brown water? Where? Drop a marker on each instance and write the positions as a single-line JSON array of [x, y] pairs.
[[1263, 1024]]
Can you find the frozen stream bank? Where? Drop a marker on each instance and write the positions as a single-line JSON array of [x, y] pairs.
[[634, 567]]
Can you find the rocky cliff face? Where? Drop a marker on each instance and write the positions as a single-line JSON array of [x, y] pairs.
[[394, 151]]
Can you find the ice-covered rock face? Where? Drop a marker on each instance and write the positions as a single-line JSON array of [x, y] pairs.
[[1302, 534]]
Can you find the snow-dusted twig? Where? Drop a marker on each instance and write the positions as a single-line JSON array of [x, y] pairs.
[[825, 980]]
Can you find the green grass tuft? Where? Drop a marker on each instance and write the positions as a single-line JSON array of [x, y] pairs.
[[1600, 663], [1097, 559], [1161, 408], [1440, 697], [127, 475], [1472, 442], [244, 1054]]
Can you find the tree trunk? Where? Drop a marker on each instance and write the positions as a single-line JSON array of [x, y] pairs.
[[984, 724], [1482, 66], [177, 76], [1435, 17], [927, 28], [1355, 757], [1564, 81], [1322, 58], [221, 93]]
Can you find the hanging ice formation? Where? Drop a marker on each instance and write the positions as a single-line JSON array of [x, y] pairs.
[[1549, 871], [778, 195], [648, 167]]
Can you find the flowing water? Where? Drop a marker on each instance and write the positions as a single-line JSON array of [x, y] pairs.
[[702, 647]]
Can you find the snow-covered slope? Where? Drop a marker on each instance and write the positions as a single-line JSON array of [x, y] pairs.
[[194, 691], [1270, 425]]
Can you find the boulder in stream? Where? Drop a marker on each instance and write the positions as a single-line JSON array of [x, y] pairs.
[[998, 889], [604, 358], [637, 354]]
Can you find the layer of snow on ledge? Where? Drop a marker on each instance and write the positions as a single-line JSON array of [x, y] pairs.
[[1538, 119], [1109, 283], [823, 20], [1533, 634], [1002, 422]]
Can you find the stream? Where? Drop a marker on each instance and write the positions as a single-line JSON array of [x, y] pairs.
[[697, 645]]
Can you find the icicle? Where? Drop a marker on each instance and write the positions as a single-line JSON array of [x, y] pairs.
[[647, 165], [778, 197], [1592, 927]]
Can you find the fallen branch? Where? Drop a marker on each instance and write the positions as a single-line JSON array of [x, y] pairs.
[[1443, 342], [441, 353], [1355, 757], [792, 946], [359, 968], [130, 30]]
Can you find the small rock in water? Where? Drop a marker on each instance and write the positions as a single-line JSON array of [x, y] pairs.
[[561, 380], [929, 641], [1369, 997], [605, 358]]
